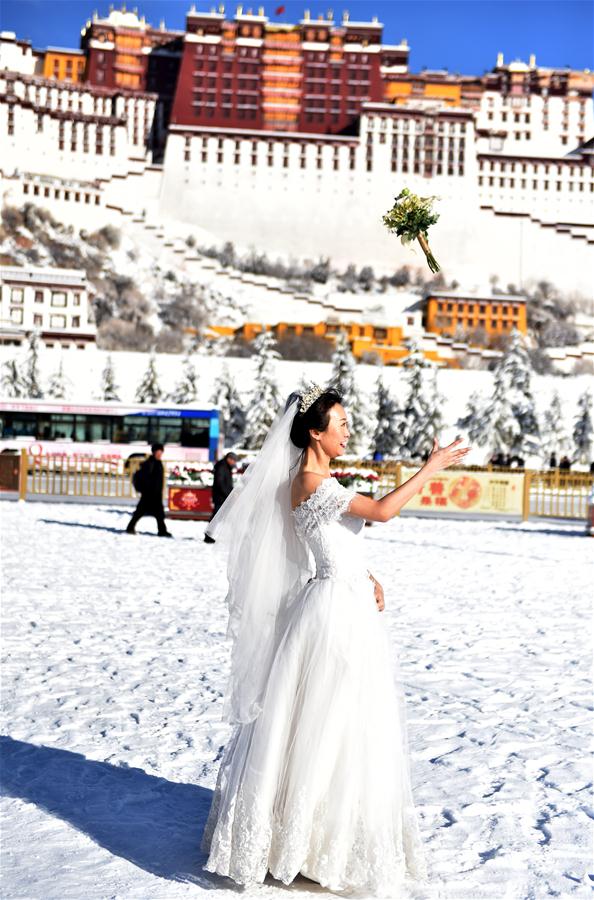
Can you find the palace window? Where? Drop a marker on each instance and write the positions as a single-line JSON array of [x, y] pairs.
[[58, 298]]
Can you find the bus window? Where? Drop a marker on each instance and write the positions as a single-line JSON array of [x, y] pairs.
[[131, 429], [96, 428], [20, 425], [166, 429], [195, 433], [61, 427], [79, 430]]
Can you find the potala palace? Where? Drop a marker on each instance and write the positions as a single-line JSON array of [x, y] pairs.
[[295, 138]]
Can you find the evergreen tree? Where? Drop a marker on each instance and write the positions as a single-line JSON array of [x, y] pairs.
[[554, 434], [186, 389], [228, 401], [344, 379], [58, 385], [385, 437], [472, 421], [11, 381], [507, 423], [419, 414], [266, 399], [517, 369], [499, 426], [148, 390], [31, 380], [109, 388], [583, 430]]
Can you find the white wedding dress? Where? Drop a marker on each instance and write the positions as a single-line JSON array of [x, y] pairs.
[[319, 782]]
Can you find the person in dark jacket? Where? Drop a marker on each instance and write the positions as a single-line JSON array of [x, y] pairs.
[[150, 486], [222, 485]]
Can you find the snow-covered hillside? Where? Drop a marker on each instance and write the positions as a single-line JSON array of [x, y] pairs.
[[114, 663]]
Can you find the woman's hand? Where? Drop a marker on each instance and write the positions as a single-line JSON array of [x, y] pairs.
[[378, 591], [442, 457], [379, 595]]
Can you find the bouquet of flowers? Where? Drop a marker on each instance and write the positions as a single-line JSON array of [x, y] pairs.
[[410, 217]]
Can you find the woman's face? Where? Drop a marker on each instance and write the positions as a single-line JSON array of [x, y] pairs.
[[333, 439]]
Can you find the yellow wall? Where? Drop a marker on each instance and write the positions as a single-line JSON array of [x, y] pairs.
[[55, 65], [498, 317], [444, 91], [397, 89], [364, 338]]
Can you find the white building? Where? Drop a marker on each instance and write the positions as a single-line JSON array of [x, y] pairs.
[[514, 177], [53, 302]]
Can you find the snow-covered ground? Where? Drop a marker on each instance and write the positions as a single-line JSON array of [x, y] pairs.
[[114, 663]]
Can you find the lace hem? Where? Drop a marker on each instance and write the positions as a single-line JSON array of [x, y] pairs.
[[247, 841]]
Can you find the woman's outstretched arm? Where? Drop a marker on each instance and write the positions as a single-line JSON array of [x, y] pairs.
[[389, 506]]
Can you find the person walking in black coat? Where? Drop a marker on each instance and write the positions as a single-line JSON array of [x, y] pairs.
[[148, 481], [222, 485]]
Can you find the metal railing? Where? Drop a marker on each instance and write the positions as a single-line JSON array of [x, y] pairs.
[[546, 494], [558, 494]]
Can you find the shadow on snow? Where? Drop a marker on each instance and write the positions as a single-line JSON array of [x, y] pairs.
[[153, 823]]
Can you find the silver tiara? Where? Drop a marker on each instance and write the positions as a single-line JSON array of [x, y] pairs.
[[310, 397]]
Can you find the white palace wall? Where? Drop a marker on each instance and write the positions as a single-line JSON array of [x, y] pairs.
[[227, 186], [82, 153]]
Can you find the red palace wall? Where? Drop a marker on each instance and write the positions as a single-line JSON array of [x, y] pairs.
[[248, 73]]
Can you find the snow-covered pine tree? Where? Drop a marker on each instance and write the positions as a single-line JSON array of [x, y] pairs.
[[227, 399], [507, 423], [583, 430], [11, 381], [418, 413], [498, 426], [518, 371], [385, 437], [148, 390], [58, 384], [344, 380], [473, 420], [109, 388], [554, 434], [186, 389], [265, 400], [31, 380]]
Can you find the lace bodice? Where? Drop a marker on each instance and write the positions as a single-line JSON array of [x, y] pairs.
[[331, 534]]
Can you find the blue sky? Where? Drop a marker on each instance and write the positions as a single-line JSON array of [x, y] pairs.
[[460, 35]]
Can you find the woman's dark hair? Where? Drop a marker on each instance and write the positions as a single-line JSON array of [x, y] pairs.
[[316, 417]]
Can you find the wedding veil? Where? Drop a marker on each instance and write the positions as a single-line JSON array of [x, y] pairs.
[[267, 564]]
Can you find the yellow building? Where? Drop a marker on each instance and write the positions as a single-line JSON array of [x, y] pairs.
[[64, 65], [366, 339], [447, 312]]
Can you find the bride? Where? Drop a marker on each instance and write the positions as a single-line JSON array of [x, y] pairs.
[[315, 778]]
